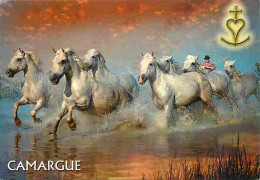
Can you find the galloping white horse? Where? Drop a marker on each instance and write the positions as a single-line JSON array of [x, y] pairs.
[[244, 85], [82, 92], [171, 92], [35, 89], [219, 80], [94, 61]]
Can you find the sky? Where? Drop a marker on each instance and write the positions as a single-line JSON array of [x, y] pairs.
[[122, 29]]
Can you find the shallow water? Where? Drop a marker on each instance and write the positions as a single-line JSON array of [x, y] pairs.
[[106, 153]]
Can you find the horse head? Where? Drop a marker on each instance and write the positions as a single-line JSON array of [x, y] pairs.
[[18, 63], [229, 68], [61, 65], [147, 67], [165, 63], [191, 64], [92, 59]]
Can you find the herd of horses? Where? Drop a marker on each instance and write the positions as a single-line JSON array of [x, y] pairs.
[[91, 87]]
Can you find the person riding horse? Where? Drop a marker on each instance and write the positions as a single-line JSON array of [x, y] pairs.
[[210, 66]]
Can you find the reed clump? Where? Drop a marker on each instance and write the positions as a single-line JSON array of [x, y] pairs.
[[222, 164]]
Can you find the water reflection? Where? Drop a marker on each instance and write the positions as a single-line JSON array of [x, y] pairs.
[[16, 142], [126, 154]]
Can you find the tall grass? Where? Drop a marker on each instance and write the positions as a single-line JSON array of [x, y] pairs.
[[232, 163]]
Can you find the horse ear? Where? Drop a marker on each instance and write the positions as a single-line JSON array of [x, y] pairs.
[[14, 50], [54, 50], [152, 53], [101, 58], [197, 57], [142, 54], [62, 50], [21, 51]]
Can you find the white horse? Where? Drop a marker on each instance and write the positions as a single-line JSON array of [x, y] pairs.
[[94, 61], [219, 80], [169, 66], [35, 88], [171, 92], [82, 92], [244, 85]]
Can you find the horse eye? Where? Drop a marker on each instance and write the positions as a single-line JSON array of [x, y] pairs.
[[192, 63], [93, 57], [63, 61], [150, 64], [231, 66], [19, 59], [167, 61]]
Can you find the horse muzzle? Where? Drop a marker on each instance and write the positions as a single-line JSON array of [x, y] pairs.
[[185, 71], [55, 79], [142, 79], [228, 73], [10, 73]]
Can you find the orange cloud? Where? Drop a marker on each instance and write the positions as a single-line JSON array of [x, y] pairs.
[[126, 15]]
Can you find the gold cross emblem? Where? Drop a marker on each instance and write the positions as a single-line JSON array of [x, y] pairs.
[[235, 26]]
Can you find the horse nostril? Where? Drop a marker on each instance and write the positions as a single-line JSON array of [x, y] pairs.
[[185, 70], [7, 71], [52, 77], [143, 77]]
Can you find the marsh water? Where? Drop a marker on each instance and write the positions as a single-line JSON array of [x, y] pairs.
[[109, 151]]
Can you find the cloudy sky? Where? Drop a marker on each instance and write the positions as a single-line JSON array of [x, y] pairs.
[[122, 29]]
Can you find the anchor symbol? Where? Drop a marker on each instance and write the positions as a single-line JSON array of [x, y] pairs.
[[231, 23]]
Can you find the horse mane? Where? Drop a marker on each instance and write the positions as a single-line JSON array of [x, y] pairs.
[[198, 62], [102, 59], [237, 75], [70, 51], [33, 58]]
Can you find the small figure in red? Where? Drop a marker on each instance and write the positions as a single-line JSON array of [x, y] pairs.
[[210, 66]]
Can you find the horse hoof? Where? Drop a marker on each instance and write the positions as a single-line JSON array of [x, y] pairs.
[[18, 122], [72, 125], [204, 113], [37, 120], [52, 136]]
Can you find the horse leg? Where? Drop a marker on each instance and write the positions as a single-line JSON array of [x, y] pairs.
[[38, 106], [169, 111], [228, 100], [124, 101], [212, 107], [229, 94], [233, 100], [70, 120], [22, 101], [205, 111], [64, 111]]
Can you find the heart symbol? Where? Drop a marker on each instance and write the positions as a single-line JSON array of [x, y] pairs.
[[234, 24]]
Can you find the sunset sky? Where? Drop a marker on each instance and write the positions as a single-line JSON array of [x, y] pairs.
[[122, 29]]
